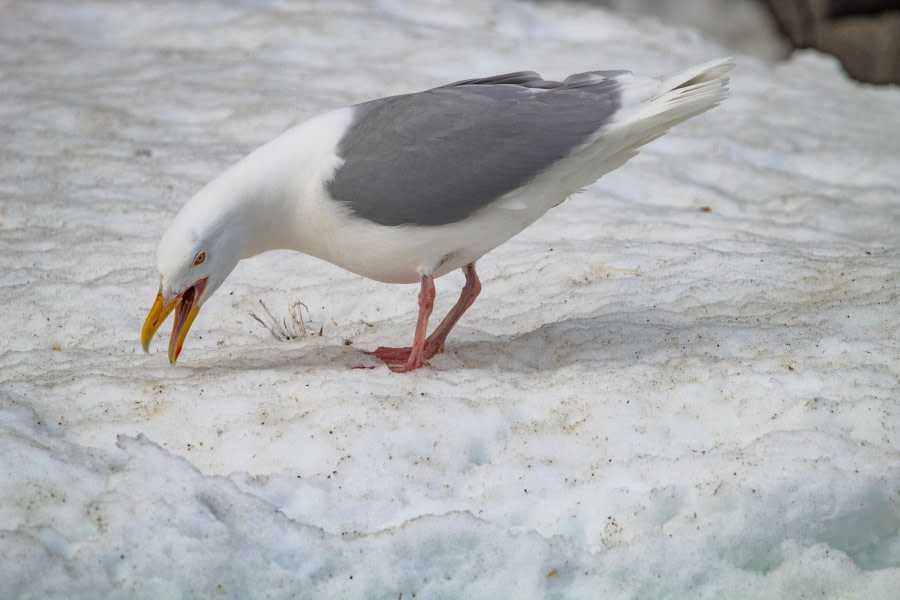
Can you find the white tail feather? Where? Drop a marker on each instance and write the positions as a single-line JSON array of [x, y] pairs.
[[677, 97], [649, 108]]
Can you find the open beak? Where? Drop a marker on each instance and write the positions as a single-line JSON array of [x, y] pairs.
[[186, 306]]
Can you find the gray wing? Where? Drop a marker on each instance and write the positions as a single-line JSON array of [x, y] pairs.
[[435, 157]]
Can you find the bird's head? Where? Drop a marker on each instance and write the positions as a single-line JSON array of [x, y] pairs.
[[193, 262], [248, 209]]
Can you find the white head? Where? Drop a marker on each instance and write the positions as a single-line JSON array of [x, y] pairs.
[[196, 254]]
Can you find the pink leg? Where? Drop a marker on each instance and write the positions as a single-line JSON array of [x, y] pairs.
[[417, 357], [434, 344]]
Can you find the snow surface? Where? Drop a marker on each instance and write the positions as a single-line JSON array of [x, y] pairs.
[[683, 382]]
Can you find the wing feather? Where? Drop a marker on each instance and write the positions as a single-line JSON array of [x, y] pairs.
[[436, 157]]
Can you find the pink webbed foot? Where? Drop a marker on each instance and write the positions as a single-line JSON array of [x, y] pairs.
[[391, 355], [401, 355]]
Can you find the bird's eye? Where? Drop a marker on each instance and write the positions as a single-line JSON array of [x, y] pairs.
[[198, 260]]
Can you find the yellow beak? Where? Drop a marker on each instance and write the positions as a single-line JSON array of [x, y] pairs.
[[188, 305], [156, 317]]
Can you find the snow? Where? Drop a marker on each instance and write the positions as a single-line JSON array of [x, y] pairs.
[[683, 382]]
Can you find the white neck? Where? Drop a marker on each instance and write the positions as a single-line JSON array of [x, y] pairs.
[[273, 195]]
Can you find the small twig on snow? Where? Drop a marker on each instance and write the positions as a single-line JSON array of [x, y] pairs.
[[283, 330]]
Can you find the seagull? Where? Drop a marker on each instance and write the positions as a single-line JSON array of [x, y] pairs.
[[408, 188]]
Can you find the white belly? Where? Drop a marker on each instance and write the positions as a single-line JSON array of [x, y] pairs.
[[402, 254]]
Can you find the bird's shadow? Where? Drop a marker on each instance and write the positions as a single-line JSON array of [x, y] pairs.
[[605, 338]]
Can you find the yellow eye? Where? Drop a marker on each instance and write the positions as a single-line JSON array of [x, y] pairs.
[[198, 260]]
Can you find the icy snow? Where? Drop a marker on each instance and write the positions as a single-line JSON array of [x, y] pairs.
[[683, 382]]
